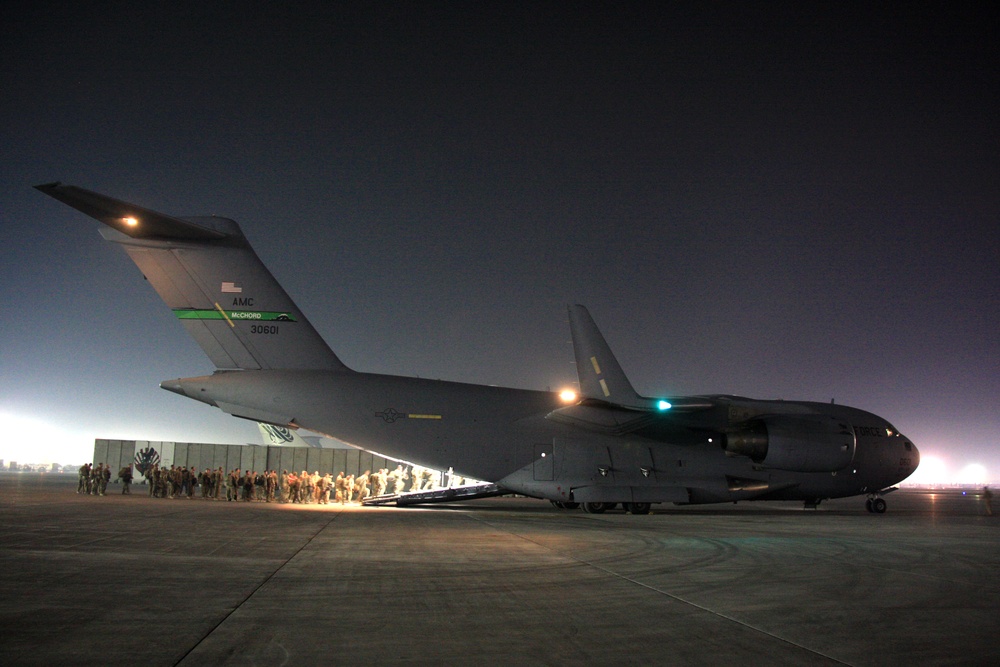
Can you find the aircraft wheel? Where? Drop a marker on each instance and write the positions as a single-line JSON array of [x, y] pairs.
[[878, 506], [570, 505], [558, 504], [594, 508], [638, 508], [868, 505]]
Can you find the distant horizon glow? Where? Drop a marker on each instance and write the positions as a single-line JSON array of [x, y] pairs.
[[34, 441]]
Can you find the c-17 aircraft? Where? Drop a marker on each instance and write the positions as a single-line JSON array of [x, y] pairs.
[[608, 446]]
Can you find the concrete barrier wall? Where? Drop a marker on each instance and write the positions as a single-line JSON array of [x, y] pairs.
[[116, 453], [196, 455]]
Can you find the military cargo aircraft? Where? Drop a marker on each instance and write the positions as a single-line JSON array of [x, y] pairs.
[[606, 446]]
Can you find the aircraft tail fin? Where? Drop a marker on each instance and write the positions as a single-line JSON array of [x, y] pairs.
[[205, 270], [601, 376]]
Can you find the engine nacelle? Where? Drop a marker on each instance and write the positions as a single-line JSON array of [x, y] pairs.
[[809, 443]]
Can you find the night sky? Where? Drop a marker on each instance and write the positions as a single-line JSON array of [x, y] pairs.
[[777, 200]]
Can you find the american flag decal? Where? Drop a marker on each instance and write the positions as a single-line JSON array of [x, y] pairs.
[[231, 288]]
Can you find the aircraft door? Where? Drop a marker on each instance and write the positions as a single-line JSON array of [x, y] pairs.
[[544, 463]]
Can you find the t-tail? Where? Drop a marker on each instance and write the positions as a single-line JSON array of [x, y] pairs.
[[207, 273], [602, 379], [601, 376]]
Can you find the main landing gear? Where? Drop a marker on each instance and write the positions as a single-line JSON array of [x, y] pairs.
[[600, 508], [875, 504], [565, 505]]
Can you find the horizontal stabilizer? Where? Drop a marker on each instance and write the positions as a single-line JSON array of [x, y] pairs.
[[129, 219], [254, 414], [283, 436]]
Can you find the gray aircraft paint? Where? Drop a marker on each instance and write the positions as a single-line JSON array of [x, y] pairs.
[[612, 445]]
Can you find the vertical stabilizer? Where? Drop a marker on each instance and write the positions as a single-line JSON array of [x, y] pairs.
[[206, 272], [601, 376]]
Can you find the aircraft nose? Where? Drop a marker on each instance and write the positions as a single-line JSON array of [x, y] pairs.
[[914, 456]]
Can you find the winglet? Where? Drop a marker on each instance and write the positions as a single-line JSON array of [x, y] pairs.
[[601, 376]]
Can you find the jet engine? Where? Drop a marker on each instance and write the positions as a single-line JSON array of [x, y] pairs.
[[809, 443]]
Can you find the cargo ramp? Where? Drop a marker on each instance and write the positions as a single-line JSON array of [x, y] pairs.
[[447, 495]]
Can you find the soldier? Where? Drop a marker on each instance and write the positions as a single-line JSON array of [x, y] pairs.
[[84, 478], [338, 487], [398, 478], [361, 486], [125, 474], [151, 486], [163, 483], [349, 488], [104, 478], [379, 482], [249, 480], [233, 485], [432, 479], [270, 484], [314, 480], [205, 480], [324, 484], [259, 482], [293, 487], [284, 486], [218, 477], [305, 487], [988, 500], [93, 483]]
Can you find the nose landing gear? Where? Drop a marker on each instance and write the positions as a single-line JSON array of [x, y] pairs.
[[875, 504]]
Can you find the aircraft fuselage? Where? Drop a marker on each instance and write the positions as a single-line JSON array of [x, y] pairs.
[[506, 435]]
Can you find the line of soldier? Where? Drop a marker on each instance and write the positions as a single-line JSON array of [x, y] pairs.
[[180, 482], [93, 480]]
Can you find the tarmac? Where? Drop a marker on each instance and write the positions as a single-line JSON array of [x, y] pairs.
[[129, 580]]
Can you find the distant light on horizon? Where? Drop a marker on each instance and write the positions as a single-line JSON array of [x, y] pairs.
[[33, 440], [974, 473], [935, 470]]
